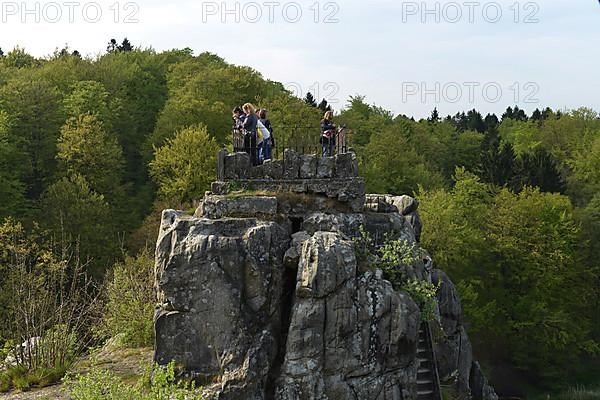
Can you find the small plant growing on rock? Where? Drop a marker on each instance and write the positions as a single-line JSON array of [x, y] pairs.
[[394, 257], [424, 294], [363, 245]]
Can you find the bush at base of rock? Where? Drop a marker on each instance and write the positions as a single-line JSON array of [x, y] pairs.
[[131, 302]]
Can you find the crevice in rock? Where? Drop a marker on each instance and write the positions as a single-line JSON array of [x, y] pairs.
[[297, 223], [286, 306]]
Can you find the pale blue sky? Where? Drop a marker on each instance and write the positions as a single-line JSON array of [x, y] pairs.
[[380, 48]]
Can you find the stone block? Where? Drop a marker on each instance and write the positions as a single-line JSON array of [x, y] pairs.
[[308, 166], [291, 165], [346, 165], [236, 165], [273, 169], [325, 167]]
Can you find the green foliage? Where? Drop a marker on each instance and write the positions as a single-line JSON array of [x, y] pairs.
[[515, 256], [82, 217], [297, 128], [22, 379], [18, 58], [393, 258], [424, 294], [34, 109], [204, 90], [88, 98], [363, 245], [394, 167], [86, 149], [12, 189], [48, 306], [131, 301], [186, 165], [103, 385]]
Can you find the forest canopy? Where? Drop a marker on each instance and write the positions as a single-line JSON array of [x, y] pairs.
[[91, 149]]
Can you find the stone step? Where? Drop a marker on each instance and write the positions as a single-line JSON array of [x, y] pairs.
[[425, 387], [424, 392]]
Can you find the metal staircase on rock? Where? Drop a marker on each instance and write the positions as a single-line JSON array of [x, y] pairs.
[[428, 383]]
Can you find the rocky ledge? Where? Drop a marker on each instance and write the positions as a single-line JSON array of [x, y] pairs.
[[262, 297]]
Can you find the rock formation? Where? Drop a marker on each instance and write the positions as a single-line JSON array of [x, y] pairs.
[[262, 296]]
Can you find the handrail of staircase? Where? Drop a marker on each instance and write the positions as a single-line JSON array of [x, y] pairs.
[[434, 362]]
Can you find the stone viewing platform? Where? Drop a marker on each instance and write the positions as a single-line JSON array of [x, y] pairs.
[[268, 291], [334, 177]]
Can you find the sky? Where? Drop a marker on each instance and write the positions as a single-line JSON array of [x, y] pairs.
[[405, 56]]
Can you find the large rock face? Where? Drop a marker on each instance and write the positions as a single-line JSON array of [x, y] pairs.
[[219, 287], [350, 337], [262, 298], [453, 348]]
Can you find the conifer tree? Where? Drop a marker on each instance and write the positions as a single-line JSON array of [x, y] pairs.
[[310, 100]]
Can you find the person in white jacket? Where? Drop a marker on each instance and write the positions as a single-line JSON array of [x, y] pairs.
[[264, 140]]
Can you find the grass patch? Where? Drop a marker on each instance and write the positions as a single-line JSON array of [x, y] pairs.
[[157, 383], [22, 379], [578, 393]]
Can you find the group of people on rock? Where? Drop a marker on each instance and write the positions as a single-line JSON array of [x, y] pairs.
[[257, 133]]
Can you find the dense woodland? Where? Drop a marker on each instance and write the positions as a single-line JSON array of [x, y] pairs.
[[92, 149]]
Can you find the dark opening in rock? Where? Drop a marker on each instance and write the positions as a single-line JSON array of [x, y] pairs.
[[286, 304], [297, 223]]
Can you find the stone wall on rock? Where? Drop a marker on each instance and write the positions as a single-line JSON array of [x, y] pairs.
[[262, 297], [334, 177]]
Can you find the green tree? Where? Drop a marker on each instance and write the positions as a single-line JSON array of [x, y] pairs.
[[310, 100], [71, 208], [19, 58], [536, 271], [363, 120], [324, 106], [12, 189], [33, 106], [515, 257], [186, 165], [205, 89], [131, 301], [298, 128], [392, 166], [85, 148], [89, 97]]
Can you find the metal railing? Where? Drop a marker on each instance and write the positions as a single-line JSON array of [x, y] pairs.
[[301, 139]]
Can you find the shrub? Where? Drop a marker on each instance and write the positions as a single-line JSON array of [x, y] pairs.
[[424, 294], [49, 307], [131, 300], [160, 384], [393, 258]]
